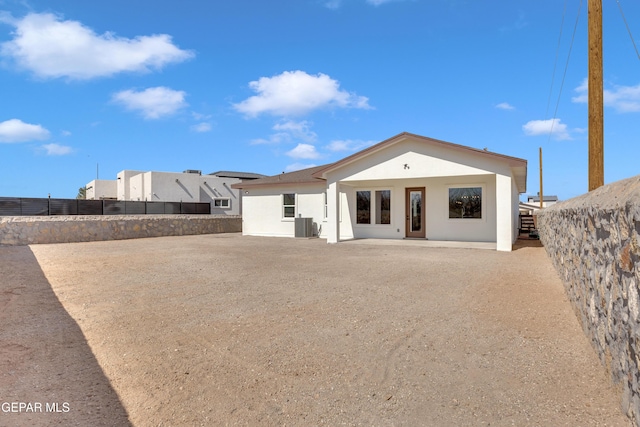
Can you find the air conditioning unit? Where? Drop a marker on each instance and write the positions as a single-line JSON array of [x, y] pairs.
[[304, 227], [195, 171]]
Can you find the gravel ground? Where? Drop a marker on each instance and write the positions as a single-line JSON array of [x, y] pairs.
[[232, 330]]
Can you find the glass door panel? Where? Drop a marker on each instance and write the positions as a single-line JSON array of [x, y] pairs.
[[415, 213]]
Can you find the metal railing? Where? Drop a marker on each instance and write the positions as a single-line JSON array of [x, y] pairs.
[[23, 206]]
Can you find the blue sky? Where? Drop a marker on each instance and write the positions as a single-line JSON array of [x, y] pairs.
[[93, 88]]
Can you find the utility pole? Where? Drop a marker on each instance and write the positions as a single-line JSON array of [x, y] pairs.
[[596, 97], [541, 195]]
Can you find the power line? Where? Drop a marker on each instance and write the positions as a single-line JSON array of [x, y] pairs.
[[566, 67], [628, 29], [555, 62]]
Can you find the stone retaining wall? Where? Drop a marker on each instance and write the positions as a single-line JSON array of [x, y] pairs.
[[593, 241], [86, 228]]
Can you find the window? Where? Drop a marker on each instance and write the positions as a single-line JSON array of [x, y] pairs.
[[326, 210], [465, 202], [363, 207], [383, 207], [289, 205], [222, 203]]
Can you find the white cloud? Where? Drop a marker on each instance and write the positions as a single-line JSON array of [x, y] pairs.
[[201, 127], [199, 116], [300, 130], [153, 102], [287, 131], [546, 127], [51, 47], [333, 4], [348, 144], [623, 99], [297, 93], [303, 151], [15, 130], [298, 166], [261, 141], [57, 150], [505, 106], [583, 93]]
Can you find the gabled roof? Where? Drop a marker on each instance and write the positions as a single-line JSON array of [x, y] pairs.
[[318, 174], [304, 176], [512, 161]]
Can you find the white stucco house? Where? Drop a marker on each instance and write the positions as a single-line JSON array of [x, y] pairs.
[[406, 187], [101, 189], [187, 186], [546, 201]]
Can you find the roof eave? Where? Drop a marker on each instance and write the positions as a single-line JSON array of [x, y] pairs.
[[513, 162], [244, 185]]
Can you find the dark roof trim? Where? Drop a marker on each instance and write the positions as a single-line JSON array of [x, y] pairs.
[[300, 177], [544, 198], [239, 175]]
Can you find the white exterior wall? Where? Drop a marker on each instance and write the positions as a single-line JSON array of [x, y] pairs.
[[172, 187], [412, 164], [406, 164], [101, 189], [411, 159], [136, 187], [212, 187], [436, 205], [263, 211], [504, 213], [123, 185], [179, 187]]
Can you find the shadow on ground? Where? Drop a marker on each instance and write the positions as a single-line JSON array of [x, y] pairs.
[[48, 374], [526, 242]]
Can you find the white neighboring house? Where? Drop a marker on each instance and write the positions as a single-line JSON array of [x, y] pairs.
[[101, 189], [188, 186], [408, 186], [546, 201]]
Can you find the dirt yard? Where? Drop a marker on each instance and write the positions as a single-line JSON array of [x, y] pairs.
[[231, 330]]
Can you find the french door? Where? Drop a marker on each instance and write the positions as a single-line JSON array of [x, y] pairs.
[[415, 224]]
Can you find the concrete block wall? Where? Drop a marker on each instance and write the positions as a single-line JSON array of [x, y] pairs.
[[25, 230], [594, 242]]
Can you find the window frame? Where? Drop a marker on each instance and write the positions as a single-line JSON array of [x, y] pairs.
[[482, 202], [373, 208], [222, 199], [285, 206], [326, 206], [369, 213], [376, 206]]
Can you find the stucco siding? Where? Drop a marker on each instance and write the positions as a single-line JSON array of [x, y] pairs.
[[441, 227], [263, 210], [410, 162], [101, 189], [436, 205], [410, 159]]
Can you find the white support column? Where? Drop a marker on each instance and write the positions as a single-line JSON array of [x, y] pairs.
[[333, 212], [504, 212]]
